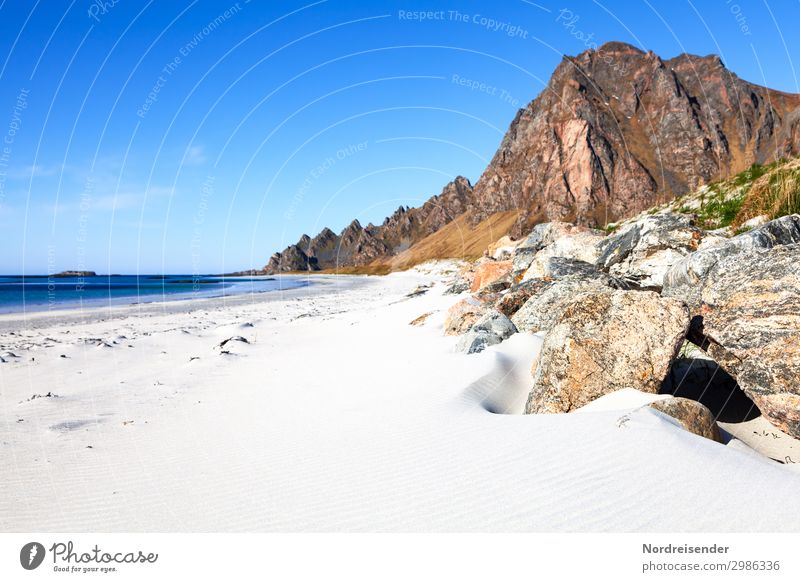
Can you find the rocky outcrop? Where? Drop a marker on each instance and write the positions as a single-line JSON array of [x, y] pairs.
[[691, 415], [324, 247], [518, 294], [493, 292], [560, 267], [643, 251], [541, 236], [458, 286], [491, 329], [462, 315], [684, 279], [736, 299], [543, 310], [291, 259], [359, 246], [746, 315], [605, 341], [503, 249], [618, 130], [489, 272], [576, 246]]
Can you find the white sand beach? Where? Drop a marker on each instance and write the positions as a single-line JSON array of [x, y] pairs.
[[336, 415]]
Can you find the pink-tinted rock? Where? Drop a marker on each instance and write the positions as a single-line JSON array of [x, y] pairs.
[[462, 315], [489, 272]]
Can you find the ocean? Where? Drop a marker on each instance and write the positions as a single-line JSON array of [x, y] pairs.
[[38, 293]]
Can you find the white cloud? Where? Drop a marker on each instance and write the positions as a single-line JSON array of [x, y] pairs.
[[35, 171], [195, 156]]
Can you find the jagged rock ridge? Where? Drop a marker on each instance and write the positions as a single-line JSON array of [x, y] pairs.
[[358, 246], [616, 130]]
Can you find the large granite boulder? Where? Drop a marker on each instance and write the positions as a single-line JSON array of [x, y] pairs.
[[746, 315], [560, 267], [518, 294], [492, 292], [684, 279], [607, 340], [691, 415], [457, 287], [643, 251], [488, 272], [492, 328], [544, 235], [462, 315], [545, 307], [578, 247]]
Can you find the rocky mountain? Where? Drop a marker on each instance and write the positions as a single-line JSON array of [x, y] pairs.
[[358, 246], [616, 130], [619, 130]]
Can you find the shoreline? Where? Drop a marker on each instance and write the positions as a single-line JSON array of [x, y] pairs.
[[322, 409], [38, 318]]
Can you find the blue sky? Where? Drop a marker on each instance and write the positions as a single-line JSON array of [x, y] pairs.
[[199, 137]]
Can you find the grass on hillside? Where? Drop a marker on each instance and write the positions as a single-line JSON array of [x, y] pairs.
[[770, 190], [456, 240], [718, 210], [775, 193]]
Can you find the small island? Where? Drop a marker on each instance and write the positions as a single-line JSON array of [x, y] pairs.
[[67, 274]]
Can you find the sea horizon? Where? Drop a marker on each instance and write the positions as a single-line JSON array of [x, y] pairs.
[[23, 293]]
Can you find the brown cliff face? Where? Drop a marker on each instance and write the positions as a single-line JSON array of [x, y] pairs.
[[615, 131]]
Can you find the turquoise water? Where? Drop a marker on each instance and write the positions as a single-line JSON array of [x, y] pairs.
[[45, 293]]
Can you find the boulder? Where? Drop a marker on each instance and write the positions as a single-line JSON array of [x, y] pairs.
[[607, 340], [419, 290], [462, 315], [421, 319], [467, 271], [491, 293], [692, 416], [746, 315], [540, 237], [544, 308], [683, 279], [495, 322], [559, 267], [492, 328], [578, 247], [643, 251], [503, 249], [488, 272], [457, 287], [518, 294], [473, 342]]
